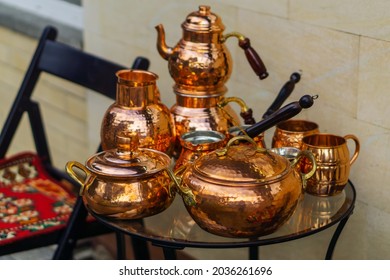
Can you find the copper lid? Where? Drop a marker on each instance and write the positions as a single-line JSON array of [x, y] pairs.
[[203, 21], [241, 164], [128, 160]]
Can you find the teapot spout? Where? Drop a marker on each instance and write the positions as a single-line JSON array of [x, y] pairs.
[[162, 47]]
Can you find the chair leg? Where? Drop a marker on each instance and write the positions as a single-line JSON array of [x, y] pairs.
[[68, 240]]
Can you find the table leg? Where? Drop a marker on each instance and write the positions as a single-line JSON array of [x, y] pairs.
[[120, 246], [335, 237], [254, 252], [169, 253], [140, 248]]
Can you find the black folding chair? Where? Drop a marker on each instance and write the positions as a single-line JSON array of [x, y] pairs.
[[81, 68]]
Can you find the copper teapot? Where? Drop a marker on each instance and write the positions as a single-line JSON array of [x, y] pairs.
[[201, 64]]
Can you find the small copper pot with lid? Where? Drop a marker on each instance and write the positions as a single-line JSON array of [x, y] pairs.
[[127, 182], [243, 190]]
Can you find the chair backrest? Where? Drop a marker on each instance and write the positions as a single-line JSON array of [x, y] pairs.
[[66, 62], [79, 67]]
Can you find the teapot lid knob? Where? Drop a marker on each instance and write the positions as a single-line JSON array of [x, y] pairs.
[[204, 10]]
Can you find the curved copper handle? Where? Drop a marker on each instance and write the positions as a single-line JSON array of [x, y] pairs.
[[357, 147], [246, 113], [253, 58], [185, 192], [83, 183], [309, 155], [223, 151]]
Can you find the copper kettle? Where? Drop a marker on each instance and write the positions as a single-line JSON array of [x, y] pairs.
[[200, 64], [200, 61]]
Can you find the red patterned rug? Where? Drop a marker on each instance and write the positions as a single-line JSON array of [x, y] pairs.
[[31, 202]]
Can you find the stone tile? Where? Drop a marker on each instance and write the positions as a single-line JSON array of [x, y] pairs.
[[17, 40], [10, 75], [374, 82], [327, 59], [70, 127], [64, 85], [4, 53], [277, 7], [364, 17], [377, 238]]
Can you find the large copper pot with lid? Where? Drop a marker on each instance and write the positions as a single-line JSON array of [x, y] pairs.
[[243, 190]]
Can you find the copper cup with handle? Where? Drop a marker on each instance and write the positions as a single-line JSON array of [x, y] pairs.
[[333, 160]]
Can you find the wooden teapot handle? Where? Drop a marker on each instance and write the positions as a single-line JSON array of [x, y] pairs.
[[253, 58]]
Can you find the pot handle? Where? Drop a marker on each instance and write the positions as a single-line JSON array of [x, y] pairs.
[[84, 183], [309, 155], [223, 151], [357, 147], [185, 192]]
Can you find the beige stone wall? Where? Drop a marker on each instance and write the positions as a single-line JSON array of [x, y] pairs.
[[62, 103], [342, 48]]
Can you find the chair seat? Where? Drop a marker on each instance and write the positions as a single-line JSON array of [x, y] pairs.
[[31, 201]]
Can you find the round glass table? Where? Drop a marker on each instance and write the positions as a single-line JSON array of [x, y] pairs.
[[174, 229]]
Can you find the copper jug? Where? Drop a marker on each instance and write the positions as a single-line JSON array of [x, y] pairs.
[[138, 108], [200, 64]]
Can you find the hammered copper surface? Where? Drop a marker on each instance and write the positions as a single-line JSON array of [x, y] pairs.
[[125, 183], [138, 108], [200, 64], [201, 114], [333, 162], [242, 191], [290, 133]]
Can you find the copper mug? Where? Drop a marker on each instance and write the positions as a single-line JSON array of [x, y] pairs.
[[333, 162], [291, 132]]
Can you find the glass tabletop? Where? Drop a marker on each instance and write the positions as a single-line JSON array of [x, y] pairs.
[[175, 228]]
